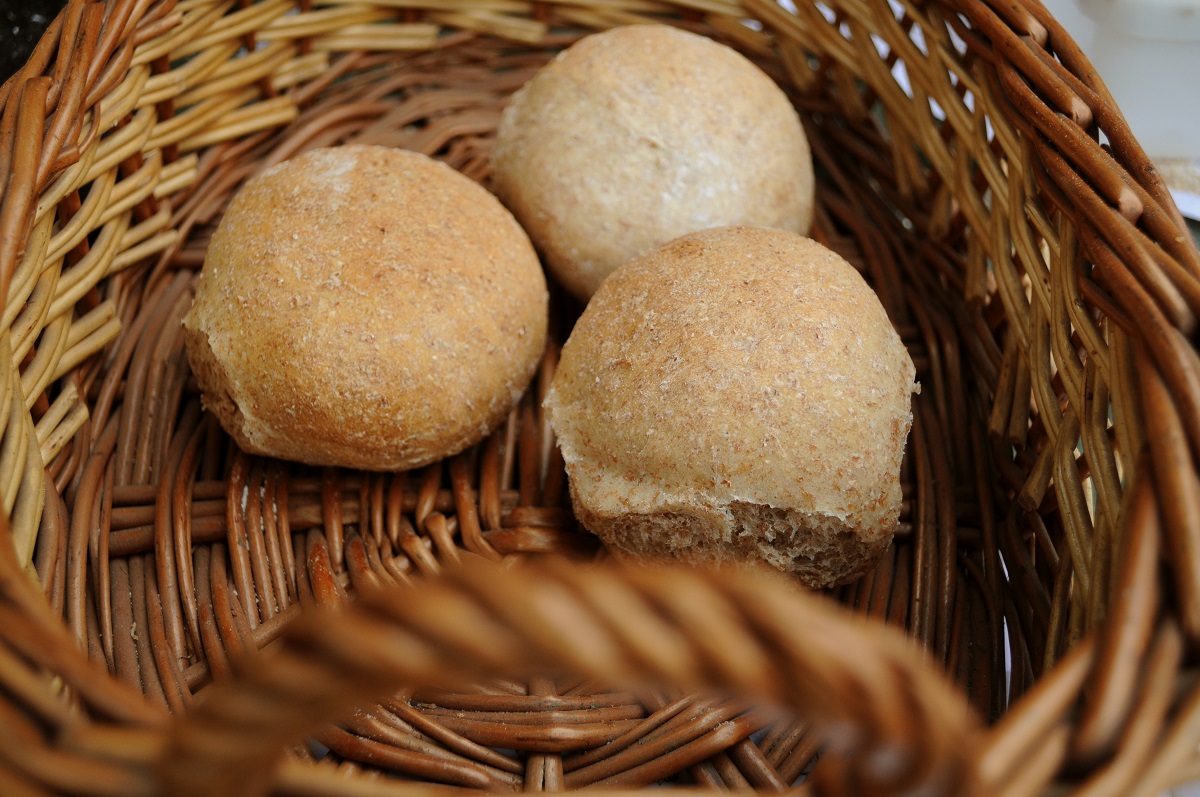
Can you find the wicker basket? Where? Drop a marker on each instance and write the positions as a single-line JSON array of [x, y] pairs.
[[971, 164]]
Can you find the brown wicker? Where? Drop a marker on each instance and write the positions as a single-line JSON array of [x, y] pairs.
[[971, 164]]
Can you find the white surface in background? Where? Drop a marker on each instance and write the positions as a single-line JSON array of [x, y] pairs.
[[1147, 52], [1189, 203]]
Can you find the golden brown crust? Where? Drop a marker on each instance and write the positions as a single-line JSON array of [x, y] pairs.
[[638, 135], [739, 392], [365, 307]]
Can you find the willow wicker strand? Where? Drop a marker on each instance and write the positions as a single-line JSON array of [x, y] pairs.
[[1043, 283], [595, 623]]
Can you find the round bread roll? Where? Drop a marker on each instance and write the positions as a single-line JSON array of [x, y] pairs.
[[635, 136], [365, 307], [737, 395]]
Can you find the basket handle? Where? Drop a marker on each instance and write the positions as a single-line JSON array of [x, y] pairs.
[[895, 725]]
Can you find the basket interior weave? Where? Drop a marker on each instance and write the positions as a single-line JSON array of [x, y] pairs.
[[1039, 280]]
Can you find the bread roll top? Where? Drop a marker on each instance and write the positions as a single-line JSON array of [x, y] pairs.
[[637, 135]]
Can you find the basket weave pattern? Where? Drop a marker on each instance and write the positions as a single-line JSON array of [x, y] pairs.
[[1043, 281]]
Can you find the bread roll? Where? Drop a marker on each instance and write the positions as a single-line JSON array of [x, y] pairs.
[[365, 307], [638, 135], [738, 394]]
